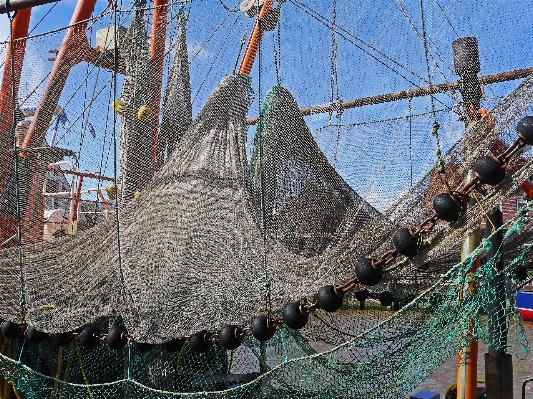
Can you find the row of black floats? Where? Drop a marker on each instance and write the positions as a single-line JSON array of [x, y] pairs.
[[89, 337], [449, 206]]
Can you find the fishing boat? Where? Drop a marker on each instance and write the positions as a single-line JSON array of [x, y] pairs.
[[262, 199]]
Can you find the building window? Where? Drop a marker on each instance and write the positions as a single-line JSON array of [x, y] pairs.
[[520, 203]]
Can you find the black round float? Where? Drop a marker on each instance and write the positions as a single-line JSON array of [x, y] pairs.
[[361, 296], [10, 330], [405, 243], [489, 170], [230, 337], [524, 129], [366, 273], [35, 335], [200, 342], [117, 338], [173, 345], [385, 298], [329, 298], [446, 208], [260, 329], [62, 339], [142, 347], [89, 337], [295, 317]]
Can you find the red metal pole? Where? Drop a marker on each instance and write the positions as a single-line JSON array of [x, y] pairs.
[[74, 43], [10, 81], [157, 55], [21, 25], [71, 52]]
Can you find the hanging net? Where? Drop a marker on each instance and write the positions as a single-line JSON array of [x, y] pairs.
[[128, 217]]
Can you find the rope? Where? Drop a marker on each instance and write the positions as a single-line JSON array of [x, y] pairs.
[[82, 369]]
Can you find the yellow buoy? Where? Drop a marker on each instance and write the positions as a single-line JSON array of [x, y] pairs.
[[111, 191], [144, 112], [118, 106], [136, 193]]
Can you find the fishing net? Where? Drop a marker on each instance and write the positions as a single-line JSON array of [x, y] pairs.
[[214, 220]]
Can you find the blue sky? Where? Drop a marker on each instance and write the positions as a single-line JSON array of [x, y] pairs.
[[378, 52]]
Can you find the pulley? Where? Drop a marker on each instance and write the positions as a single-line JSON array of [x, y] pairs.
[[200, 342], [251, 7], [329, 298], [366, 273], [295, 315], [446, 207], [117, 338], [261, 329], [89, 337], [230, 337], [405, 242]]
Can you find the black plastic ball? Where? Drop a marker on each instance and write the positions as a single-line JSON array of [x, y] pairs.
[[329, 299], [10, 330], [230, 337], [200, 342], [62, 339], [142, 347], [361, 296], [524, 128], [489, 170], [366, 274], [385, 298], [446, 208], [293, 316], [117, 339], [260, 329], [35, 335], [89, 338], [405, 243], [173, 345]]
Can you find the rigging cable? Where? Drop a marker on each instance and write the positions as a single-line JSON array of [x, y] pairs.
[[215, 60], [435, 129], [22, 300], [334, 82], [326, 22]]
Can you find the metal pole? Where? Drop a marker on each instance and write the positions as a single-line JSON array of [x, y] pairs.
[[15, 5], [498, 364], [406, 94]]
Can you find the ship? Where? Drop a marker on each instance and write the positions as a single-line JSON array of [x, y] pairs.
[[262, 199]]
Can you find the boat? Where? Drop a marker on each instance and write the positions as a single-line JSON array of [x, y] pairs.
[[262, 199], [524, 303]]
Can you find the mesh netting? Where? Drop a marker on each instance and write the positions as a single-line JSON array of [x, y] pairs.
[[132, 213]]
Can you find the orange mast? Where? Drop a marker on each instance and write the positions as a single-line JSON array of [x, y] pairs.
[[253, 43]]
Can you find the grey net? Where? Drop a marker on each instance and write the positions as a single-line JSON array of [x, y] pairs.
[[211, 240], [177, 108], [305, 203], [135, 137]]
